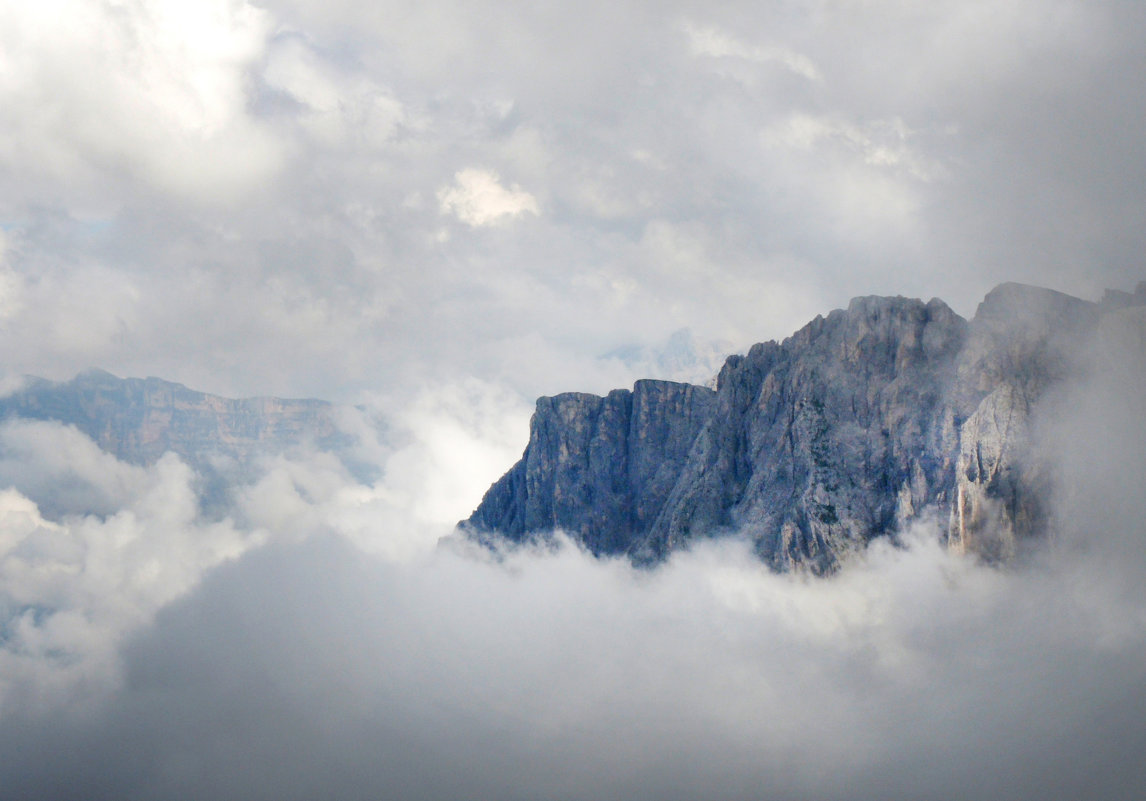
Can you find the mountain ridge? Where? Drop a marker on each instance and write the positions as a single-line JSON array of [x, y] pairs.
[[224, 440], [844, 432], [139, 419]]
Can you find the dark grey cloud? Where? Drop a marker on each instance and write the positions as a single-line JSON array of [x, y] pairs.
[[306, 670]]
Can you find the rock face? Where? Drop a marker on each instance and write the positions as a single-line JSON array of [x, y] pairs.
[[1020, 345], [599, 468], [847, 430]]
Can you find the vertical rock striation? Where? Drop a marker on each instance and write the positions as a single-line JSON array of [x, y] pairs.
[[598, 468]]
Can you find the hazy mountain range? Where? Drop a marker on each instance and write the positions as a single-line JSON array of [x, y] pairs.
[[138, 420], [318, 638]]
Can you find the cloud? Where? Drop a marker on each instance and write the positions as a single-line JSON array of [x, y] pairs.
[[11, 289], [63, 471], [152, 88], [309, 667], [882, 143], [253, 200], [300, 199], [73, 588], [478, 199], [339, 110], [711, 42], [317, 665]]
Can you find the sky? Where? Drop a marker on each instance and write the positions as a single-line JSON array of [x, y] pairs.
[[354, 200], [439, 211]]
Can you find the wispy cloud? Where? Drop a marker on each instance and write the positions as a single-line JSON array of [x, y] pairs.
[[712, 42]]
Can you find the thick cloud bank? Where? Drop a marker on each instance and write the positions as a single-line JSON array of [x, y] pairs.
[[321, 665]]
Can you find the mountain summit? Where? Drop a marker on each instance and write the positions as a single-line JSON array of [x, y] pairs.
[[854, 426]]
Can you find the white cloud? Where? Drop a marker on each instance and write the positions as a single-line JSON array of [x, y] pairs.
[[601, 122], [156, 89], [11, 288], [478, 199], [708, 41], [72, 589], [462, 433], [63, 471], [866, 179], [880, 143]]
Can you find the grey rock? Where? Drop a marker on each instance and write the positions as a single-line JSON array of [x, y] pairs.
[[139, 420], [598, 468], [846, 431]]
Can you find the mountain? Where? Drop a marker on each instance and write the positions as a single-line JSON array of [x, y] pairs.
[[859, 423], [138, 420]]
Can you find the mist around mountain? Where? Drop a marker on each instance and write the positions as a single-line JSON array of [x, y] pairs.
[[321, 636]]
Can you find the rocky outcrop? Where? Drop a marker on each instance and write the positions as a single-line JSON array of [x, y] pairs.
[[825, 440], [139, 420], [846, 431]]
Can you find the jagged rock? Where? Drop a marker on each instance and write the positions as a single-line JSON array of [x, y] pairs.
[[846, 431]]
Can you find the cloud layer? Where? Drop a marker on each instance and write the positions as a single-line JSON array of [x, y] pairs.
[[318, 642]]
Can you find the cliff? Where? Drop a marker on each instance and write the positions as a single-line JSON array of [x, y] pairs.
[[599, 468], [849, 429]]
